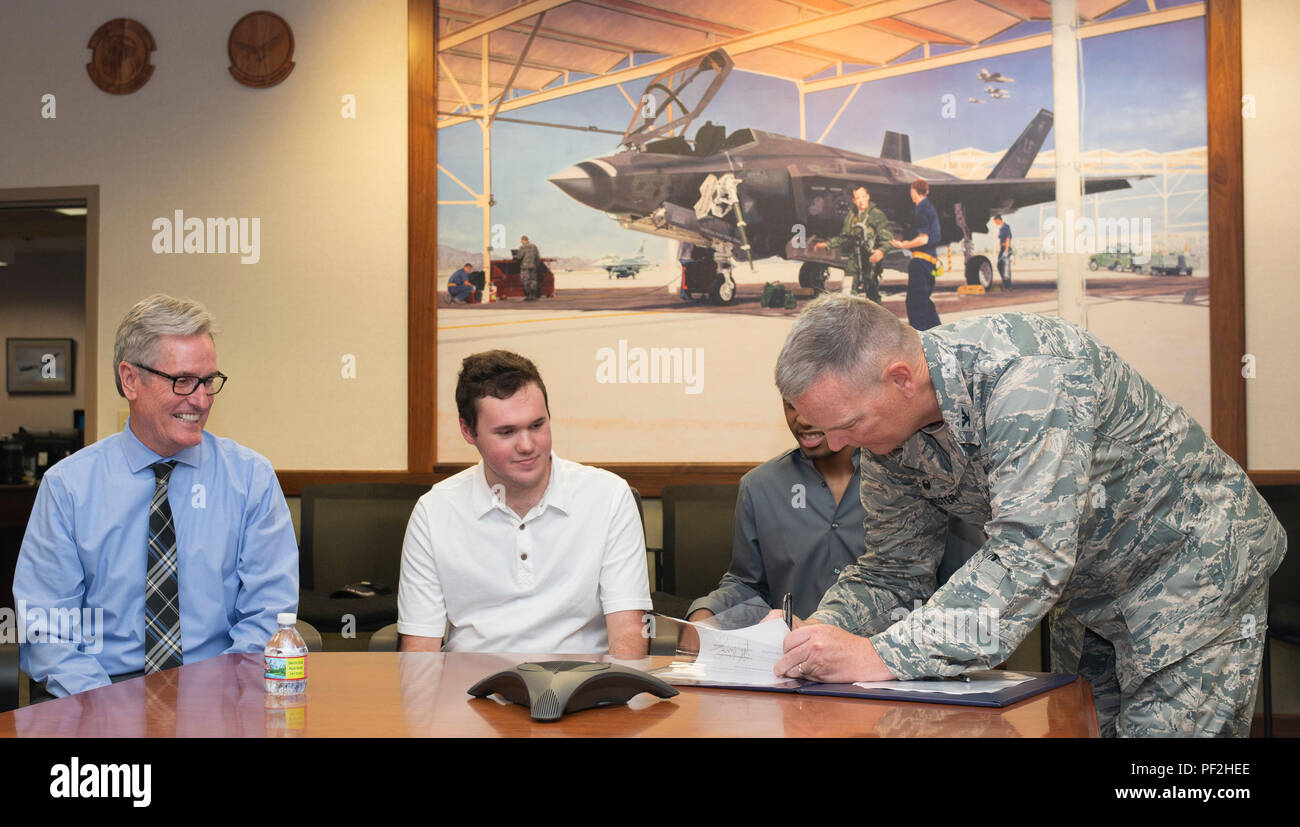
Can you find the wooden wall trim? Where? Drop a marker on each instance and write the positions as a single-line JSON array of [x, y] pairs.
[[422, 237], [648, 479], [90, 381], [1263, 478], [1227, 227], [292, 482]]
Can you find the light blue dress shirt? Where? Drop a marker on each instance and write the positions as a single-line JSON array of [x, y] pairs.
[[86, 547]]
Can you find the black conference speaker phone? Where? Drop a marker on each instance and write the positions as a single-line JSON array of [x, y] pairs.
[[551, 688]]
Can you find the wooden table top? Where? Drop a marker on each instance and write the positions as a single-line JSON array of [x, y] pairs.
[[390, 694]]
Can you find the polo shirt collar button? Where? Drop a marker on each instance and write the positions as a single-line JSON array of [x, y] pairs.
[[521, 526]]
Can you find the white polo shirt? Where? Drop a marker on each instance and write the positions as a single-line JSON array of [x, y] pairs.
[[542, 584]]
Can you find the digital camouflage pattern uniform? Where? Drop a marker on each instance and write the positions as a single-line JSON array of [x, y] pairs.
[[1102, 501], [863, 234], [528, 260]]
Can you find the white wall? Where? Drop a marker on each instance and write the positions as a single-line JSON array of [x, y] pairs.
[[330, 193], [1270, 30]]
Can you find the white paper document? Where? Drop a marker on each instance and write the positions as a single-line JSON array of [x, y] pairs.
[[991, 680], [745, 657]]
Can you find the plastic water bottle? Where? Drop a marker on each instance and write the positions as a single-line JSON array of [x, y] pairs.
[[286, 658]]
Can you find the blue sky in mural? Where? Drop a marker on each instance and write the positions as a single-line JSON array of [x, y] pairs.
[[1143, 89]]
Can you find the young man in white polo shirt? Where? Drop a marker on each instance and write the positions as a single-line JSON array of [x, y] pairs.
[[525, 552]]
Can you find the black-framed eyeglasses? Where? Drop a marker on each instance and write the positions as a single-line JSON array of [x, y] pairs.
[[186, 385]]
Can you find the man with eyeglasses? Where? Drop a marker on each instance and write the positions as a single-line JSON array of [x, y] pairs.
[[161, 544]]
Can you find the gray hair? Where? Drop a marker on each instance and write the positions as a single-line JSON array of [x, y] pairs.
[[152, 318], [844, 335]]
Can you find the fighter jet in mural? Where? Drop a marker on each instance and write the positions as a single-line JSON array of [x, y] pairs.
[[995, 92], [994, 77], [748, 195], [622, 268]]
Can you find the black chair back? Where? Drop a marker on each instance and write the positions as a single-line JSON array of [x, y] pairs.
[[698, 521], [1284, 586], [10, 676], [353, 532]]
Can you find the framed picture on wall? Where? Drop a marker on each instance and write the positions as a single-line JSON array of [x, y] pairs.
[[39, 365]]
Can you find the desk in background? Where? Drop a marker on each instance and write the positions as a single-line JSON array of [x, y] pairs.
[[365, 694]]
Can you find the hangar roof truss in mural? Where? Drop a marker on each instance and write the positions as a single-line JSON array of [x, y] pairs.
[[541, 50]]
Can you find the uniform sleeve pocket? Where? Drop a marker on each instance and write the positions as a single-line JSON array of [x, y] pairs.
[[1174, 589], [991, 582]]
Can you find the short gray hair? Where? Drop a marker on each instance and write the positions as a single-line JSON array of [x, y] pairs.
[[152, 318], [844, 335]]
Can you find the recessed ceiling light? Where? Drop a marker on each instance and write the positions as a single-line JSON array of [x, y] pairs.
[[70, 210]]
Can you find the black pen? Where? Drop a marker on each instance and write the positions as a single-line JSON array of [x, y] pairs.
[[786, 608]]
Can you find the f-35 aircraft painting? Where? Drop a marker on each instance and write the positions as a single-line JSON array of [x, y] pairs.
[[741, 192]]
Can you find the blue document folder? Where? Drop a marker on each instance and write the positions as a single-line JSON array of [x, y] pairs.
[[1037, 683]]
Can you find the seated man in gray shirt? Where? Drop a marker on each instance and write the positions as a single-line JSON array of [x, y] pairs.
[[798, 523]]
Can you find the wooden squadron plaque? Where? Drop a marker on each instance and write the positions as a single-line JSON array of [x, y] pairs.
[[119, 56], [260, 48]]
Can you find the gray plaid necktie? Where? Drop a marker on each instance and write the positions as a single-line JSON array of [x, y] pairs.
[[162, 599]]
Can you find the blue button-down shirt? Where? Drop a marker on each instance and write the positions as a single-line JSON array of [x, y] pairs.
[[926, 220], [80, 579]]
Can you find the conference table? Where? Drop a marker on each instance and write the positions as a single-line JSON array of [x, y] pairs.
[[419, 694]]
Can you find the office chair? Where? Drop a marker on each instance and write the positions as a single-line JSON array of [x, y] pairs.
[[10, 677], [698, 521], [654, 551], [351, 533], [1283, 589], [384, 640], [663, 639], [310, 636]]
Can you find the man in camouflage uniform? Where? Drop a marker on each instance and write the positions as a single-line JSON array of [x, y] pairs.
[[864, 237], [528, 261], [1103, 503]]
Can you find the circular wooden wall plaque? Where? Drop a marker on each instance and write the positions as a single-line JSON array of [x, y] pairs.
[[119, 56], [260, 48]]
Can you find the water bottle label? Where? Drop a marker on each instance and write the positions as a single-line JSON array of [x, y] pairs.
[[286, 669]]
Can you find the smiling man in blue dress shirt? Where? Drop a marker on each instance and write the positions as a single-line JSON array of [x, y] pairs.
[[161, 544]]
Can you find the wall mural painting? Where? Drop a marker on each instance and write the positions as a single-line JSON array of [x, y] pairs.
[[680, 222]]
